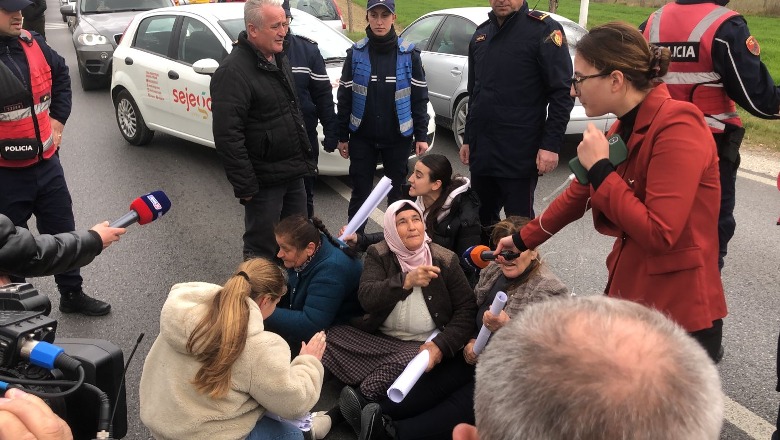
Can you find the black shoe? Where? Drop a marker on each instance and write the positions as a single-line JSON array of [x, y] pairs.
[[373, 426], [79, 302], [351, 404]]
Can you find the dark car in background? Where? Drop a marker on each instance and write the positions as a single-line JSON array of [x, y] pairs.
[[98, 26]]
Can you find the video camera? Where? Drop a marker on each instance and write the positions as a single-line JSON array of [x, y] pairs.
[[68, 375]]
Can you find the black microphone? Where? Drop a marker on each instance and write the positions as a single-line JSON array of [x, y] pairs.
[[145, 209], [479, 256]]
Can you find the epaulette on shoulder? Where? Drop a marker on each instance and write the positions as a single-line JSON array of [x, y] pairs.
[[307, 39], [538, 15]]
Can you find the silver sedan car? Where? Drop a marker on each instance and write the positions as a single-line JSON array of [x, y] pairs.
[[443, 37]]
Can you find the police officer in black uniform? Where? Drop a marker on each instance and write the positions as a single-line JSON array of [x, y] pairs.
[[315, 97], [746, 80], [519, 105]]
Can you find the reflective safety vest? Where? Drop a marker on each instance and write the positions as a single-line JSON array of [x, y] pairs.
[[689, 32], [25, 129], [361, 76]]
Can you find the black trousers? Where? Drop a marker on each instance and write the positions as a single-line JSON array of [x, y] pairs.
[[41, 190], [711, 339], [363, 157], [728, 199], [263, 212], [310, 181], [515, 196]]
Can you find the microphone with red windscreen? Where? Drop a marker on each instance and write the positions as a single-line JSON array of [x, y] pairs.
[[480, 256], [145, 209]]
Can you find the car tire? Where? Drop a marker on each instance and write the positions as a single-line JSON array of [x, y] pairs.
[[89, 81], [129, 120], [459, 120]]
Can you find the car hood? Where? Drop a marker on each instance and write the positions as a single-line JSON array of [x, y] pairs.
[[107, 25]]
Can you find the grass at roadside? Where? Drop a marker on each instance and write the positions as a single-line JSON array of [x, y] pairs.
[[765, 29]]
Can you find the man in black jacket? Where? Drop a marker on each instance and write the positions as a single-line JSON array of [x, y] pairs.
[[519, 105], [34, 17], [259, 130], [23, 254]]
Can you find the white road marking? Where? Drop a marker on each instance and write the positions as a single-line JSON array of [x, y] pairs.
[[755, 178], [741, 417]]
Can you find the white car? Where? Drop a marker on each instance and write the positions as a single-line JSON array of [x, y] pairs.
[[444, 36], [162, 67]]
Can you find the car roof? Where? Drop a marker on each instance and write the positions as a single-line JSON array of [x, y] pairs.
[[222, 11], [480, 14]]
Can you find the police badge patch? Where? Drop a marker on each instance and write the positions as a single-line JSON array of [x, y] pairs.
[[556, 37], [480, 37], [752, 45]]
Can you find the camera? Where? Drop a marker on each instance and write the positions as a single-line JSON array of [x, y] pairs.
[[26, 331]]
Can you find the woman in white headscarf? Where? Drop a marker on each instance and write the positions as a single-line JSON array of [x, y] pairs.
[[409, 289]]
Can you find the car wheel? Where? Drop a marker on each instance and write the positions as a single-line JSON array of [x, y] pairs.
[[89, 81], [131, 123], [459, 120]]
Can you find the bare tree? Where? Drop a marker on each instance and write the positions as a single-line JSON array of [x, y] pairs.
[[553, 6]]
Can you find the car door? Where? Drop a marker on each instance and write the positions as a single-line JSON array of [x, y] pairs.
[[446, 63], [191, 104], [146, 64]]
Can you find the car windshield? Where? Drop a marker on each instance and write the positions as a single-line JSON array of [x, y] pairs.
[[322, 9], [332, 44], [573, 33], [109, 6]]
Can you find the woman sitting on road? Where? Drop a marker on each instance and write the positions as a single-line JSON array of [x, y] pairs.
[[323, 280], [214, 372], [525, 280], [409, 289], [450, 209], [662, 203]]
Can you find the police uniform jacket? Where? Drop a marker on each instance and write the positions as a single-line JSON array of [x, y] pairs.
[[745, 78], [315, 93], [258, 128], [519, 83], [13, 56], [23, 254]]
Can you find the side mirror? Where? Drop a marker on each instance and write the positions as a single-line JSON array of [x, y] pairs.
[[68, 10], [206, 66]]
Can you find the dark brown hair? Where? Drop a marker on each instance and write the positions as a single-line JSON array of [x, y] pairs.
[[440, 169], [619, 46], [300, 231]]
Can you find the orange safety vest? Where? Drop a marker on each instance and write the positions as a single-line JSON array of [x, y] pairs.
[[25, 129], [689, 32]]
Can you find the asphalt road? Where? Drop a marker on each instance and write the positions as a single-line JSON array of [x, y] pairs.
[[200, 240]]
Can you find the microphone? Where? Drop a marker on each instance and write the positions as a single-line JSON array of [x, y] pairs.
[[145, 209], [480, 256]]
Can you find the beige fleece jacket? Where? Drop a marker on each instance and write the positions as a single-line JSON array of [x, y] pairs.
[[263, 378]]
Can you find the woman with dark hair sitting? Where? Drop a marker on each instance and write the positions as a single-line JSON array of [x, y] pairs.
[[323, 278], [215, 372], [450, 209]]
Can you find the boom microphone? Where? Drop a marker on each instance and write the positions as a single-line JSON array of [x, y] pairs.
[[480, 256], [145, 209]]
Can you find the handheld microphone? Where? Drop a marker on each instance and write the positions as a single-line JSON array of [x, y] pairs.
[[145, 209], [480, 256]]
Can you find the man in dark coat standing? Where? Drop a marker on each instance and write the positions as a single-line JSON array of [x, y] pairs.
[[34, 18], [258, 127]]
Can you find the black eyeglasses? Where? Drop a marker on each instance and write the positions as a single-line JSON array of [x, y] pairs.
[[577, 80]]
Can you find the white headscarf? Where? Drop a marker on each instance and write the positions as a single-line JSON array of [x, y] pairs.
[[409, 260]]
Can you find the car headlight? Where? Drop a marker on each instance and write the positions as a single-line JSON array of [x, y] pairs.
[[92, 39]]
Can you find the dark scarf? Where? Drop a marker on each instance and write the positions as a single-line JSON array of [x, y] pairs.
[[627, 122], [382, 44]]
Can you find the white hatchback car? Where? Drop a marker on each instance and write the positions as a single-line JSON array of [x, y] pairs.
[[162, 67], [444, 36]]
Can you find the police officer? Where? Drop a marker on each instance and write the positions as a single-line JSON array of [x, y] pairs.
[[519, 105], [35, 102], [382, 105], [715, 62], [315, 97]]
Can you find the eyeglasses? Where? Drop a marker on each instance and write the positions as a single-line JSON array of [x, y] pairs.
[[577, 80]]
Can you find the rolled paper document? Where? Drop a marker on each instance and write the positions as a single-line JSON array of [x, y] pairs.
[[498, 305], [411, 374], [377, 195]]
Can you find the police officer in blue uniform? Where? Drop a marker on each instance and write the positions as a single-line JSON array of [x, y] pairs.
[[739, 74], [382, 106], [315, 97], [519, 105]]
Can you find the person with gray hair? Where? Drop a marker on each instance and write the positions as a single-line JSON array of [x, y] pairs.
[[594, 368], [259, 130]]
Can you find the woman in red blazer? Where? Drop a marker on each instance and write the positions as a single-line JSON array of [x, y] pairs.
[[662, 203]]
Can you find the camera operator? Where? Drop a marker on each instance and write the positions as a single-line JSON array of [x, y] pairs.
[[23, 254], [23, 415]]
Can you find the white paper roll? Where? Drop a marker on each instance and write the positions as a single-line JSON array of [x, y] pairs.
[[411, 374], [374, 199], [498, 305]]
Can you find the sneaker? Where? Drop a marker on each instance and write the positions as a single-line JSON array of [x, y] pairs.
[[351, 404], [320, 425], [79, 302], [373, 425]]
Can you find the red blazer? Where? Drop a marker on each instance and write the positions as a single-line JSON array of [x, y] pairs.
[[662, 206]]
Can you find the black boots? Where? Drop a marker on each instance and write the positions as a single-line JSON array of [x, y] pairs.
[[78, 302]]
